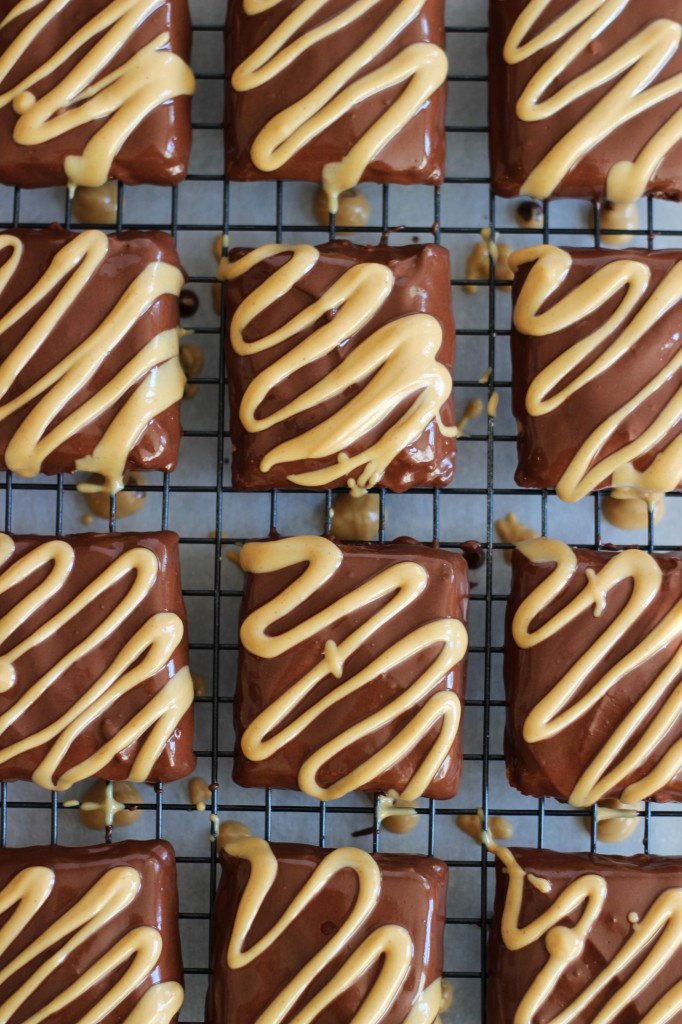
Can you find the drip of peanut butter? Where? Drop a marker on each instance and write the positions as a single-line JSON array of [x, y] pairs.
[[616, 821], [199, 793], [353, 210], [128, 502], [628, 513], [620, 217], [109, 804], [355, 518], [96, 205], [397, 815], [511, 531]]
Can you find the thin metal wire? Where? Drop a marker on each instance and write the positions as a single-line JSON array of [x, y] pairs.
[[266, 803]]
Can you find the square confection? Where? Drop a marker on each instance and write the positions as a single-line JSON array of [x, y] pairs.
[[388, 955], [351, 696], [597, 370], [90, 374], [586, 938], [93, 664], [94, 934], [339, 366], [340, 93], [592, 661], [585, 99], [96, 90]]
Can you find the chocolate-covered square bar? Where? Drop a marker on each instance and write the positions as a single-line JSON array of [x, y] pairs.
[[90, 376], [581, 937], [93, 659], [96, 90], [585, 99], [336, 92], [593, 656], [362, 689], [597, 370], [91, 933], [339, 364], [324, 933]]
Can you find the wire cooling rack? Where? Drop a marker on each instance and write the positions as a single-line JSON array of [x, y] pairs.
[[198, 502]]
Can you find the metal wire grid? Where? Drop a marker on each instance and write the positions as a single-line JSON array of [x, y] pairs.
[[316, 820]]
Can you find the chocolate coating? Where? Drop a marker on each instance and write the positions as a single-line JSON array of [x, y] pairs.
[[546, 444], [422, 285], [517, 147], [157, 150], [633, 883], [93, 552], [128, 254], [413, 892], [415, 155], [552, 767], [263, 681], [76, 871]]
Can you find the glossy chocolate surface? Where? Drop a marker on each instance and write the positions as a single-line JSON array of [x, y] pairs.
[[128, 254], [76, 871], [413, 891], [155, 153], [261, 681], [547, 444], [517, 147], [415, 155], [634, 883], [553, 766], [422, 285], [93, 552]]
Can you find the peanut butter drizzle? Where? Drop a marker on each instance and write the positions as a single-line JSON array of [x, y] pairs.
[[421, 67], [396, 361], [630, 280], [119, 100], [154, 372], [633, 69], [149, 650], [655, 940], [405, 582], [622, 755], [389, 946], [136, 954]]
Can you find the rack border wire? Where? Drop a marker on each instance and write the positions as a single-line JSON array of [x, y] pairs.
[[268, 804]]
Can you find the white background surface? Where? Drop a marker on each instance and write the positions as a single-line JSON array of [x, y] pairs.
[[482, 340]]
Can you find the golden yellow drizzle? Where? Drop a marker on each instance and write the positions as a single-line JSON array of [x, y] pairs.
[[651, 945], [388, 946], [149, 650], [404, 582], [622, 754], [396, 361], [629, 280], [635, 71], [421, 67], [119, 100], [154, 372], [132, 959]]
